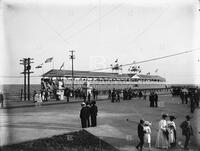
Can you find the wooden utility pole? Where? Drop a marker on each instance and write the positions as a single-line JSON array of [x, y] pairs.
[[72, 57], [26, 62], [29, 72]]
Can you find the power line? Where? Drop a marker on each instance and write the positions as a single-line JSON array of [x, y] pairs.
[[153, 59], [95, 21]]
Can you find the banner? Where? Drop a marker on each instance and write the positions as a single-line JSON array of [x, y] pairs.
[[48, 60]]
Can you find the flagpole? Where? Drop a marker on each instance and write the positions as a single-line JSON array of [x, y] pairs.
[[42, 69], [53, 64]]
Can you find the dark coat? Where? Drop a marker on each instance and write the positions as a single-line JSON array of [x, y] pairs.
[[84, 113], [186, 128], [141, 131], [1, 98], [93, 110]]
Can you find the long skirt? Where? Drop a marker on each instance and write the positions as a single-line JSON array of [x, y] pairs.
[[171, 136], [161, 141]]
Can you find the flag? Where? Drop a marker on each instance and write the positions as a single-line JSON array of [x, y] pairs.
[[148, 73], [48, 60], [39, 66], [156, 70], [62, 65]]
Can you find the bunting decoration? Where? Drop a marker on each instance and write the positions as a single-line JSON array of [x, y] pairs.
[[62, 66], [49, 60], [39, 66]]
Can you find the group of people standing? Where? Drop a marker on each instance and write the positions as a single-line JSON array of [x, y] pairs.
[[166, 137], [153, 99], [88, 114], [126, 94], [191, 95]]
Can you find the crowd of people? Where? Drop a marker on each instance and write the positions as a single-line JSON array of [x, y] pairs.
[[127, 94], [167, 136], [191, 95]]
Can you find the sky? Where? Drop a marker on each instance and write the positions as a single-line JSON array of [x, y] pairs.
[[100, 32]]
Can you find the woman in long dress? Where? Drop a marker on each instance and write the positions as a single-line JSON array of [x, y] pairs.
[[147, 135], [162, 137], [172, 131]]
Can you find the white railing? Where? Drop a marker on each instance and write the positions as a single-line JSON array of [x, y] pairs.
[[114, 82]]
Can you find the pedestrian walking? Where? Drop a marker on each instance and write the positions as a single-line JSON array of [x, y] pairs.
[[93, 112], [113, 95], [38, 99], [83, 115], [162, 136], [151, 99], [67, 93], [155, 99], [192, 101], [1, 99], [141, 133], [89, 96], [34, 93], [172, 131], [187, 130], [118, 96], [147, 136], [88, 114], [196, 97]]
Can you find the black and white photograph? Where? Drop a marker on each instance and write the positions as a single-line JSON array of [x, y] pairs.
[[99, 75]]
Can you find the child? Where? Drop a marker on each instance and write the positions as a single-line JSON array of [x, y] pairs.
[[147, 135]]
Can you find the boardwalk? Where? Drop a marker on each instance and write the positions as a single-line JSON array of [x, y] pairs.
[[27, 123]]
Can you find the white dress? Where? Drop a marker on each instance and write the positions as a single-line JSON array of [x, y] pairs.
[[171, 131], [161, 141], [147, 136]]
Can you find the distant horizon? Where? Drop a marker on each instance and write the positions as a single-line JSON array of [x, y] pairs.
[[100, 33]]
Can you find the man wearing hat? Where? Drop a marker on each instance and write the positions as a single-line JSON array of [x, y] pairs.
[[186, 130], [1, 99], [83, 115], [141, 133], [93, 111]]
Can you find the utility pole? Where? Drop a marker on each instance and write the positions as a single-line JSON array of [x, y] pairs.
[[27, 67], [24, 62], [29, 72], [72, 57]]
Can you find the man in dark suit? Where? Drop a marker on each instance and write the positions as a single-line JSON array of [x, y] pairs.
[[93, 112], [83, 115], [1, 99], [67, 93], [155, 99], [151, 99], [186, 130], [141, 133]]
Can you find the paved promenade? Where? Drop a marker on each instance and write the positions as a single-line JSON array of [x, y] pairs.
[[27, 123], [18, 104]]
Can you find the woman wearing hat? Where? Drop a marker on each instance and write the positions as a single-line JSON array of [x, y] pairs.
[[147, 135], [172, 131], [162, 137]]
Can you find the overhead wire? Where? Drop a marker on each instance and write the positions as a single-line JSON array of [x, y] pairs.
[[152, 59]]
